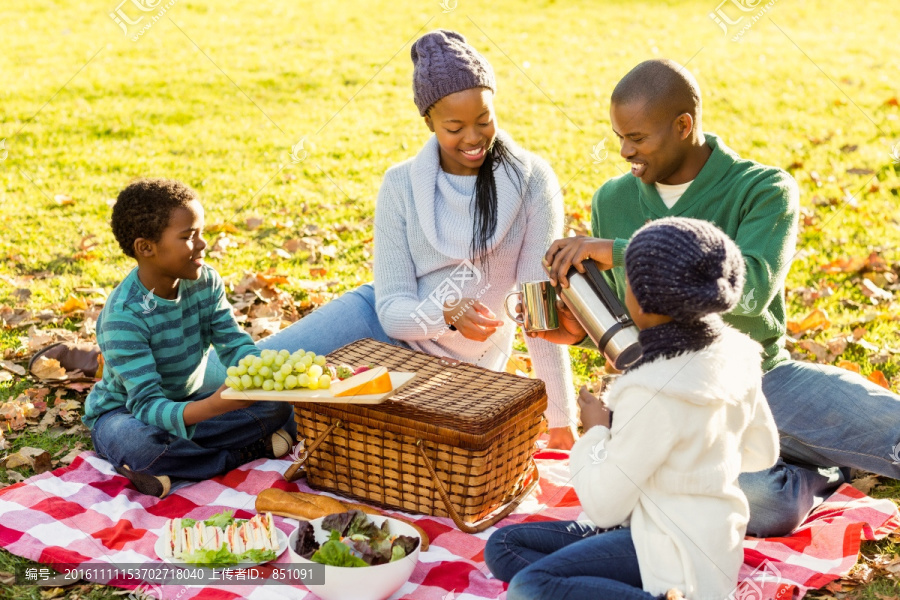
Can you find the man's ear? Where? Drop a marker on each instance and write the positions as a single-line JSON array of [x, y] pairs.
[[430, 123], [144, 248], [685, 124]]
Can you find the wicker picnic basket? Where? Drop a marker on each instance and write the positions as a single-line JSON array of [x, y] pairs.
[[455, 442]]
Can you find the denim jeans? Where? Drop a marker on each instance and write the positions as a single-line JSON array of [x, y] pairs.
[[345, 319], [123, 439], [827, 417], [565, 559]]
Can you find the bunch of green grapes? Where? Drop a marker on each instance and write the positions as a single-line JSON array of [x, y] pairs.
[[279, 370]]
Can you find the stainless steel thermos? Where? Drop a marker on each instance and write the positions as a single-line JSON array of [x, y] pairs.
[[603, 317]]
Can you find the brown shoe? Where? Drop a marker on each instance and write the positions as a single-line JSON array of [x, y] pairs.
[[72, 356], [279, 444], [150, 485]]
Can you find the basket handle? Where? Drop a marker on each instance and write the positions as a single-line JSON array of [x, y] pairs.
[[495, 517], [293, 472]]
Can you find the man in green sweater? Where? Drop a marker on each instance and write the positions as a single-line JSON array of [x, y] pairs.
[[827, 417]]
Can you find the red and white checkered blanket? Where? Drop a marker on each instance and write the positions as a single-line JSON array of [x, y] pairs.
[[87, 513]]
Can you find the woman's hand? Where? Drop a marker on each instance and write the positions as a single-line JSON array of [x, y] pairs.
[[561, 438], [570, 252], [212, 406], [569, 331], [472, 319], [594, 411]]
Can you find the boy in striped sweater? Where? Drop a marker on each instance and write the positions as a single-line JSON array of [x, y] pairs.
[[148, 415]]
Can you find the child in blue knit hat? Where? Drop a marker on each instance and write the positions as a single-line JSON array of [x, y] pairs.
[[660, 484]]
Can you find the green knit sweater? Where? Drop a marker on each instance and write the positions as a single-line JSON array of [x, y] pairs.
[[756, 205]]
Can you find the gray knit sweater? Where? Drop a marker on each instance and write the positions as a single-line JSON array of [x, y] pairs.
[[423, 233]]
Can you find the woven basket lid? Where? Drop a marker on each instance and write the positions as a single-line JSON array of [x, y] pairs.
[[454, 401]]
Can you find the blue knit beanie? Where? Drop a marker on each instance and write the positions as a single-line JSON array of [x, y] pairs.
[[443, 64], [684, 268]]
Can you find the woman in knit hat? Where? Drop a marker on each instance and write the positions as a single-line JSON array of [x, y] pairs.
[[457, 227], [690, 416]]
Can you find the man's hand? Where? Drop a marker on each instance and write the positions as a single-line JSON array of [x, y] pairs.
[[568, 252], [594, 411], [472, 319], [569, 331], [212, 406]]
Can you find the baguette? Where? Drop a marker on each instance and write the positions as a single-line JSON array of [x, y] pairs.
[[285, 504], [305, 507]]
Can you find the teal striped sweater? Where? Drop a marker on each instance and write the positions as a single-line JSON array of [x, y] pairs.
[[155, 349]]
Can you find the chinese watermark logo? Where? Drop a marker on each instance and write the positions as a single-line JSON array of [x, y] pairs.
[[449, 293], [298, 154], [449, 5], [3, 151], [748, 304], [895, 454], [599, 153], [598, 452], [742, 9], [895, 153], [149, 303], [764, 583], [134, 28], [145, 592]]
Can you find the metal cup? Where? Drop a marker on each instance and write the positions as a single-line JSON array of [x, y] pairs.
[[538, 299]]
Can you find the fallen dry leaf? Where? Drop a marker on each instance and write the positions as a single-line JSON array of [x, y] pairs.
[[222, 227], [870, 290], [217, 250], [5, 376], [866, 483], [47, 368], [879, 378], [63, 199], [814, 320], [253, 223], [849, 365], [34, 458], [11, 366], [73, 303], [845, 265]]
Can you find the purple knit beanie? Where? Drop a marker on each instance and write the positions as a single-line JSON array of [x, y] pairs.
[[684, 268], [443, 64]]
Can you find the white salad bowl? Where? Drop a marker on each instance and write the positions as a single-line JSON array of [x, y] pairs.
[[361, 583]]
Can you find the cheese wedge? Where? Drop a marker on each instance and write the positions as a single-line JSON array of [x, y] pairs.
[[373, 381]]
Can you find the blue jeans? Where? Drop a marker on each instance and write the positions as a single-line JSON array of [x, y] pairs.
[[565, 559], [344, 320], [123, 439], [827, 417]]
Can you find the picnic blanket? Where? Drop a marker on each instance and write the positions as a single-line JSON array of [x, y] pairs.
[[87, 513]]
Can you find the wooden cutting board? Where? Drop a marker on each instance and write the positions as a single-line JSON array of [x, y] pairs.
[[398, 380]]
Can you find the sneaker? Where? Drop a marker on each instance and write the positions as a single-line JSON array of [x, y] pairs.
[[151, 485], [275, 446], [279, 444]]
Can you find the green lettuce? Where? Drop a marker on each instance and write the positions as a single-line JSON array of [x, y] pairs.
[[335, 553], [212, 558], [220, 520]]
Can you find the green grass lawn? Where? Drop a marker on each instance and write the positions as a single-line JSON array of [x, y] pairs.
[[216, 94]]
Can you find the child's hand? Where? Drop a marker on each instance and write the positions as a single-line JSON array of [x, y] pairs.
[[594, 411], [212, 406]]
